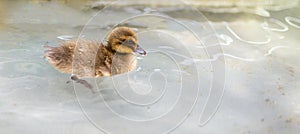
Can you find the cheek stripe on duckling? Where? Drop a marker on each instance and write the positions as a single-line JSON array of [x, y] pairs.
[[123, 49]]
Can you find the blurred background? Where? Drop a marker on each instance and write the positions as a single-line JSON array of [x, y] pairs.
[[238, 61]]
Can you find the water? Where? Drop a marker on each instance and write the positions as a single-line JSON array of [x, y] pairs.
[[237, 74]]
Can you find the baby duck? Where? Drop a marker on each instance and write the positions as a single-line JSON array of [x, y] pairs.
[[90, 59]]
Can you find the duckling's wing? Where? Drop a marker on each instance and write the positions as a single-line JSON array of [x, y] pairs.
[[103, 61], [84, 58]]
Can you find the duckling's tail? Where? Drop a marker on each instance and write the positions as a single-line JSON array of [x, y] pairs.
[[52, 53], [59, 57], [46, 52]]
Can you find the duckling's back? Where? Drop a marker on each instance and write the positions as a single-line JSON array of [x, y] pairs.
[[74, 57]]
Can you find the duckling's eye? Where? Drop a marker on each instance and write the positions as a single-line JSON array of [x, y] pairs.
[[130, 42]]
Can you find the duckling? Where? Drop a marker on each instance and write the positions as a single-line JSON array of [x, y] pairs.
[[90, 59]]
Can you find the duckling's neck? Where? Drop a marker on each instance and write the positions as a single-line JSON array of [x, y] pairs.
[[122, 63], [109, 48]]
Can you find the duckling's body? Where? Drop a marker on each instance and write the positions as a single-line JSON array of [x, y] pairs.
[[85, 58]]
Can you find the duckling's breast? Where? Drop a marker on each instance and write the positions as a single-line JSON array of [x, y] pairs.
[[122, 63]]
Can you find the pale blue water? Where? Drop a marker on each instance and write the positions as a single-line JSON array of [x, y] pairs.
[[238, 74]]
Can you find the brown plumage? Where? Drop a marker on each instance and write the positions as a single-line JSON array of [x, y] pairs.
[[85, 58]]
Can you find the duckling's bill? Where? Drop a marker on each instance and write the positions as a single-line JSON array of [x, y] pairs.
[[140, 50]]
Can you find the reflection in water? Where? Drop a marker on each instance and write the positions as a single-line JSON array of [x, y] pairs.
[[246, 41], [73, 3], [216, 56], [292, 20], [223, 39], [279, 47], [283, 28], [189, 61], [66, 37], [3, 10]]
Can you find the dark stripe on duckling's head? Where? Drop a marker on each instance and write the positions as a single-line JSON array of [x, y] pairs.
[[122, 40]]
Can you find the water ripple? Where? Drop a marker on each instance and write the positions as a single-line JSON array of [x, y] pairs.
[[291, 21], [283, 28], [246, 41], [279, 47]]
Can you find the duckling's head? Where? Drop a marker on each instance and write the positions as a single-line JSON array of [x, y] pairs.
[[123, 40]]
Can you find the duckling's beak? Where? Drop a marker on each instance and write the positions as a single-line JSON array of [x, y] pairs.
[[140, 50]]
